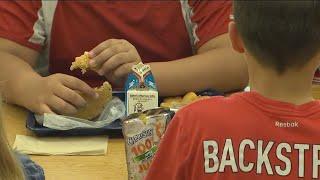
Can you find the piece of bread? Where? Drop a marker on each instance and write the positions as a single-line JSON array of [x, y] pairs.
[[81, 62], [94, 107]]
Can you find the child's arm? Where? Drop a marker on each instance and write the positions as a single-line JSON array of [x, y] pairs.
[[170, 159], [21, 85]]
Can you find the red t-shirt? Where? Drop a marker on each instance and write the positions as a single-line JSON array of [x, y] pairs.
[[161, 31], [245, 136]]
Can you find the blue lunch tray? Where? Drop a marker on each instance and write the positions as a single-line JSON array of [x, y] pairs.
[[113, 130]]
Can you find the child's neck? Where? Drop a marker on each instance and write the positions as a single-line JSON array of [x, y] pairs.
[[292, 87]]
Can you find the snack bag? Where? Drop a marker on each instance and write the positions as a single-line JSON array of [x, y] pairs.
[[142, 133], [141, 90]]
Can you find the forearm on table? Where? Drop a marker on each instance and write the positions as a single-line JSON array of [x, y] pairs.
[[14, 74], [221, 69]]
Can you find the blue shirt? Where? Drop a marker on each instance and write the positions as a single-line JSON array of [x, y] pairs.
[[32, 171]]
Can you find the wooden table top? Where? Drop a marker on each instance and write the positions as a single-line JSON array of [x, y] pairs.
[[111, 166]]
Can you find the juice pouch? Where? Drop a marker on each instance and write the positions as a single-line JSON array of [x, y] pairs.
[[142, 133], [141, 90]]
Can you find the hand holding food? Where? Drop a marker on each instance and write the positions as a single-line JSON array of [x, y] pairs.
[[57, 93], [113, 59], [95, 106]]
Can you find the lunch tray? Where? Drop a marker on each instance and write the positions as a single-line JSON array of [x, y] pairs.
[[113, 130]]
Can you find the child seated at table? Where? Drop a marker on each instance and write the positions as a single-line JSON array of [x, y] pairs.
[[15, 166], [271, 132]]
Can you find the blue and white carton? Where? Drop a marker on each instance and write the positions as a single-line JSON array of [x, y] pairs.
[[141, 90]]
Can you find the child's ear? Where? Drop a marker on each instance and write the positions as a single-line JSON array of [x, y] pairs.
[[236, 41]]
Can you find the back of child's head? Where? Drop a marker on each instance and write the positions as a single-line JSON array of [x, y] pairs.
[[279, 34], [10, 168]]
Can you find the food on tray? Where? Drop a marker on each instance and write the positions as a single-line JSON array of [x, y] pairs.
[[81, 62], [178, 102], [95, 106], [142, 133], [189, 97]]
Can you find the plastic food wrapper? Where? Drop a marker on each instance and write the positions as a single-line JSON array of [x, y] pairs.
[[114, 109], [142, 133]]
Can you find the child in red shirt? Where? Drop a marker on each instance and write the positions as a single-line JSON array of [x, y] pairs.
[[271, 132]]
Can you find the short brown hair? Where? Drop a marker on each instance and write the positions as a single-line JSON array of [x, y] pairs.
[[279, 34]]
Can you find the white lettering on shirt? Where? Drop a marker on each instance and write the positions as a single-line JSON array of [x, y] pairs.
[[286, 124], [210, 156], [228, 150], [281, 157], [243, 144], [263, 157], [315, 161], [301, 148]]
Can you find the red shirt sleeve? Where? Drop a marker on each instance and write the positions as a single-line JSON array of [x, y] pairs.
[[18, 19], [169, 161], [209, 19]]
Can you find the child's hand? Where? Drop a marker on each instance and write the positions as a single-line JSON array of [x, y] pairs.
[[56, 94], [114, 59]]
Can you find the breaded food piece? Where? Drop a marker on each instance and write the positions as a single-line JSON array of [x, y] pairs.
[[94, 107], [178, 102], [81, 62], [189, 97]]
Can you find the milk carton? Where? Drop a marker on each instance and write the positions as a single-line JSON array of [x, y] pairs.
[[141, 90]]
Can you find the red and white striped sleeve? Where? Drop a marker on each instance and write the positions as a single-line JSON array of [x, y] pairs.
[[205, 19], [21, 23]]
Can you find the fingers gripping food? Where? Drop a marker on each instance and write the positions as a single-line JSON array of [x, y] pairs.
[[95, 106]]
